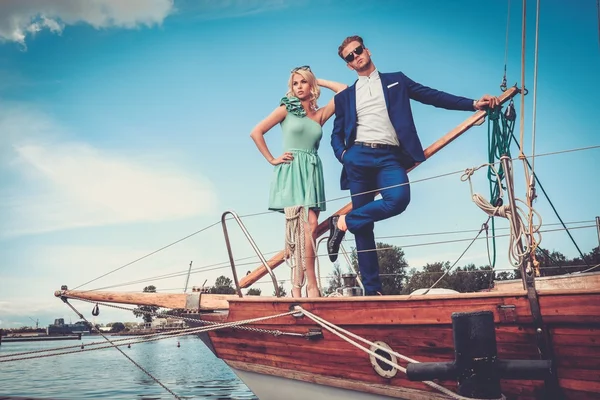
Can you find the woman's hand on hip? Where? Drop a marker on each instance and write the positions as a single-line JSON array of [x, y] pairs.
[[285, 158]]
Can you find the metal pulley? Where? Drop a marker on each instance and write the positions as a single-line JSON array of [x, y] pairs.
[[510, 113]]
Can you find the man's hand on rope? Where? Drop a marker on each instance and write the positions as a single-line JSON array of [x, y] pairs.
[[486, 101]]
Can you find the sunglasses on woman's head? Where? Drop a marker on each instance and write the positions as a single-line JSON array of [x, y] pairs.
[[358, 51], [304, 68]]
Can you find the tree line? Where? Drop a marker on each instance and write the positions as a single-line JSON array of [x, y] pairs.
[[397, 277]]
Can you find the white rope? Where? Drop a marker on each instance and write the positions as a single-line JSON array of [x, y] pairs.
[[531, 192], [519, 243], [336, 331], [295, 247], [535, 72]]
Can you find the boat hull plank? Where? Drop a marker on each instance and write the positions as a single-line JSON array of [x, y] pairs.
[[584, 308], [413, 311], [419, 328]]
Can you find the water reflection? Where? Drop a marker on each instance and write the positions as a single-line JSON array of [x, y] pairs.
[[191, 371]]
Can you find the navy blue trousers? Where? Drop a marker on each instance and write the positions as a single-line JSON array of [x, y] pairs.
[[371, 169]]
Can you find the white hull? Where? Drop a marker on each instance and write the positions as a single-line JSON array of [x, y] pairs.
[[268, 387], [302, 386]]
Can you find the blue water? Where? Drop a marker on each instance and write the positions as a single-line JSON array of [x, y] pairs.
[[190, 371]]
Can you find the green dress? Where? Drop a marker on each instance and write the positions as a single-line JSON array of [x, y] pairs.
[[299, 183]]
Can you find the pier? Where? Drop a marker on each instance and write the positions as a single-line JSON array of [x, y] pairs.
[[31, 338]]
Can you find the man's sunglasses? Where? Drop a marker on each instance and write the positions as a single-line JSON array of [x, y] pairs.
[[303, 68], [358, 51]]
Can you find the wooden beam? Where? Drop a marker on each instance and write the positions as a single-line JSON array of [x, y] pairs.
[[188, 301], [168, 300], [475, 119]]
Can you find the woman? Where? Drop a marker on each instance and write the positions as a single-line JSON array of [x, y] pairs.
[[298, 175]]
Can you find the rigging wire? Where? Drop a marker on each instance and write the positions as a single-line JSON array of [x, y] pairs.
[[464, 240], [522, 119], [529, 238], [497, 236], [343, 197], [376, 250], [535, 72], [555, 211], [503, 84], [531, 192], [254, 259], [148, 255], [205, 268], [253, 262], [483, 228], [138, 365], [484, 270], [463, 231]]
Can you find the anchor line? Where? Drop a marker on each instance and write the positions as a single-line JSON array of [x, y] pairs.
[[122, 352]]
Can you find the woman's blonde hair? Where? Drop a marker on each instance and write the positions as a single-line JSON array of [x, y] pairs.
[[315, 91]]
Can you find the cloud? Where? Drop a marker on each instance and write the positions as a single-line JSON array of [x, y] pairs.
[[19, 18], [63, 263], [56, 184], [209, 9], [16, 313]]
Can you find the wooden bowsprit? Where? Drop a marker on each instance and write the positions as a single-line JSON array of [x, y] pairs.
[[475, 119]]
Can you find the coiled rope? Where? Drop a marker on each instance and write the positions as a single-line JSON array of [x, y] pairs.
[[519, 244], [295, 246], [501, 126]]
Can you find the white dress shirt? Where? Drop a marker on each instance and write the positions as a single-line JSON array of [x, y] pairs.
[[373, 125]]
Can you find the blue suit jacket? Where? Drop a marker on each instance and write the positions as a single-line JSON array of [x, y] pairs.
[[398, 90]]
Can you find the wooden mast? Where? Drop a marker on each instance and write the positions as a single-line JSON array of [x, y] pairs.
[[475, 119]]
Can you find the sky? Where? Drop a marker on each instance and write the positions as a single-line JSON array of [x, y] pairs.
[[124, 128]]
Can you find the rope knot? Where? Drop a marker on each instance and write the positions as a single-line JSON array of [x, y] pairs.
[[494, 113], [501, 211], [467, 174]]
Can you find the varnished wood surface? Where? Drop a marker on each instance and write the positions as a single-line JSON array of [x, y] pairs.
[[420, 329], [205, 301], [585, 281], [417, 326], [578, 307]]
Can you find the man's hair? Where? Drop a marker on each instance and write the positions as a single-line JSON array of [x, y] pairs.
[[345, 43]]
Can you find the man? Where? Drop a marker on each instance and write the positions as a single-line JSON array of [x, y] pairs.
[[375, 139]]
